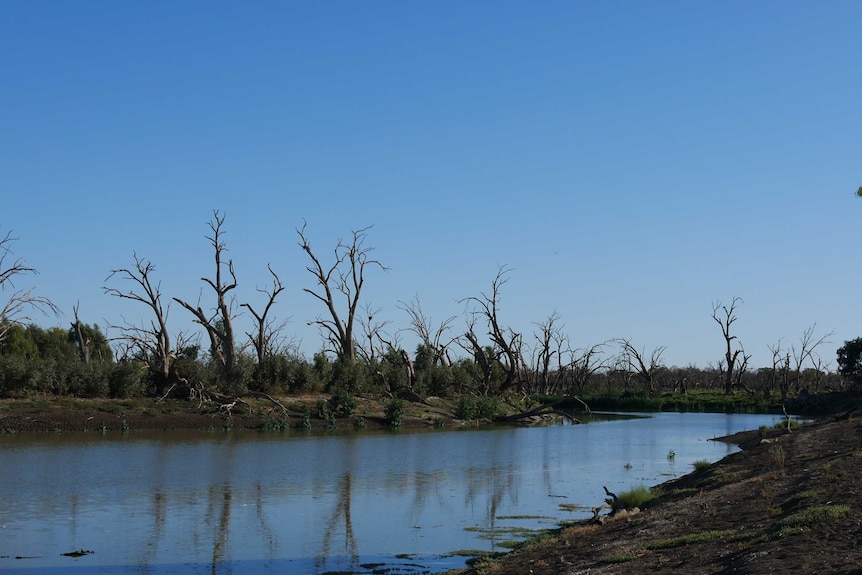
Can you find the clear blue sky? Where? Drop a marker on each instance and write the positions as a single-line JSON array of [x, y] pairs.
[[631, 161]]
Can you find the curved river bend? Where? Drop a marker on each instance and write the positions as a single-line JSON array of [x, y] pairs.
[[248, 503]]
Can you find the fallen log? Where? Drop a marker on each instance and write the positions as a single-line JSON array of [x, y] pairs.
[[544, 409]]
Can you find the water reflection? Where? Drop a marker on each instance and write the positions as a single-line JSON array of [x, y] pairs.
[[252, 503], [340, 514]]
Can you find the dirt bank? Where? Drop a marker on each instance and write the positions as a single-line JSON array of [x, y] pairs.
[[71, 415], [789, 503]]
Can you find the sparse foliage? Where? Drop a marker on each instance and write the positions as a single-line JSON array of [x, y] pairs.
[[21, 301]]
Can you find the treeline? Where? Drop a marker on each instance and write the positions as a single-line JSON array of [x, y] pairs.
[[39, 361], [483, 356]]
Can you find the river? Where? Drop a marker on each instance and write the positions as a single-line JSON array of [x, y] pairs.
[[247, 503]]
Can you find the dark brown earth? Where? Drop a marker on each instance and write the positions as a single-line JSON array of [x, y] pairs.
[[75, 414], [788, 503]]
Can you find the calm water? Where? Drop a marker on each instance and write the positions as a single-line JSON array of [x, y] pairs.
[[249, 503]]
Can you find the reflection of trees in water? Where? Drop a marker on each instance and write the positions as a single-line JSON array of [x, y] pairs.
[[341, 512], [265, 528], [426, 484], [160, 512], [495, 483], [219, 504]]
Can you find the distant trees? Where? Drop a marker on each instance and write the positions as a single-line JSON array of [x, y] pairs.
[[499, 361], [637, 362], [21, 301]]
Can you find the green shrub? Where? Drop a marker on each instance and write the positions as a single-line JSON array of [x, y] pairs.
[[129, 379], [305, 421], [278, 423], [487, 408], [395, 412], [639, 496], [342, 403], [466, 408], [701, 465]]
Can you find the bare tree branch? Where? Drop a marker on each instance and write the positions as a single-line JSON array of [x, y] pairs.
[[420, 324], [265, 332], [345, 278], [15, 310], [637, 361], [725, 316], [154, 340], [219, 325], [506, 341]]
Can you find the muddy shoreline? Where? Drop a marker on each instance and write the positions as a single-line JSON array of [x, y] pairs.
[[789, 502]]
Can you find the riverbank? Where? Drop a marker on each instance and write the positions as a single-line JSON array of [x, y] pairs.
[[53, 414], [322, 412], [789, 502]]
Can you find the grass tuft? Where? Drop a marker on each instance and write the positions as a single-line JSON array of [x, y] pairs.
[[639, 496], [690, 539], [813, 515]]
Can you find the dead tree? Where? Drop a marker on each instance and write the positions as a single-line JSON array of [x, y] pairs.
[[420, 324], [219, 324], [411, 371], [265, 331], [724, 316], [740, 370], [480, 356], [549, 344], [152, 340], [637, 361], [345, 277], [585, 363], [16, 308], [373, 344], [507, 343], [82, 340], [806, 352]]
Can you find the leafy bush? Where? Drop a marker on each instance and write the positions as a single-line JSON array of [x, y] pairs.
[[466, 408], [701, 465], [129, 379], [487, 408], [275, 423], [395, 412], [305, 421], [341, 403]]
